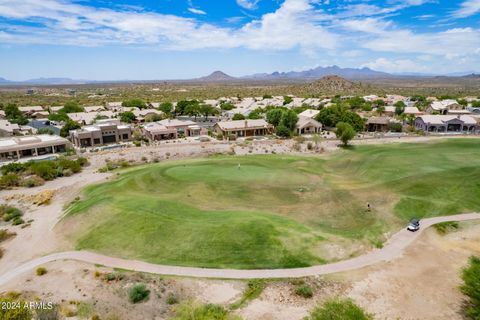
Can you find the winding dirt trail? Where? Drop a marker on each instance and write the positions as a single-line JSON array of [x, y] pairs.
[[392, 249]]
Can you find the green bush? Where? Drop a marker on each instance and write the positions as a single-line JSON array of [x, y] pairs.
[[17, 221], [9, 213], [252, 291], [138, 293], [338, 310], [304, 291], [14, 313], [41, 271], [446, 227], [191, 311], [172, 299], [471, 288], [9, 180], [32, 182]]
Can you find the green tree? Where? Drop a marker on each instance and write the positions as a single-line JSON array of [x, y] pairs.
[[238, 116], [338, 310], [59, 117], [14, 115], [71, 107], [193, 110], [379, 102], [356, 102], [127, 117], [345, 132], [274, 116], [182, 106], [399, 107], [166, 107], [254, 115], [134, 103], [471, 288], [206, 110], [68, 126], [329, 117], [226, 106], [282, 131], [289, 119]]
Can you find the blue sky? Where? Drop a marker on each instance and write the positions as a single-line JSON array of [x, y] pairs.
[[174, 39]]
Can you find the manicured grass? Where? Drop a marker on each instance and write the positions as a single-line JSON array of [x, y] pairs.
[[274, 211]]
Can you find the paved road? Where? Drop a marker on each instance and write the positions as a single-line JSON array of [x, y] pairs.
[[392, 249]]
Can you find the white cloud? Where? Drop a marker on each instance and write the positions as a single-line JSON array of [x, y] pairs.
[[394, 66], [248, 4], [292, 25], [467, 8], [196, 11]]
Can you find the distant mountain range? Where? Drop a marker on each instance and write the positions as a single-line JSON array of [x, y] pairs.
[[319, 72], [44, 81], [219, 76]]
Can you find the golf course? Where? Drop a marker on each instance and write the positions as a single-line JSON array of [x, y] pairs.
[[273, 211]]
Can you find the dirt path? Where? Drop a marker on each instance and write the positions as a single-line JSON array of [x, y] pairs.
[[393, 249]]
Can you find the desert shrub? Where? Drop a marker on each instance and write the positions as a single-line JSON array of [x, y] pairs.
[[9, 180], [191, 311], [41, 271], [446, 227], [304, 291], [113, 276], [33, 181], [471, 288], [137, 143], [337, 309], [17, 221], [14, 167], [44, 169], [5, 235], [47, 314], [138, 293], [8, 213], [84, 310], [309, 146], [14, 313], [252, 291], [172, 299]]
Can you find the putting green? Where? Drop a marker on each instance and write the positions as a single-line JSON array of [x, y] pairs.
[[274, 211]]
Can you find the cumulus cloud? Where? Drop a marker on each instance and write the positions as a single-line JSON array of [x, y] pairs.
[[394, 66], [292, 25]]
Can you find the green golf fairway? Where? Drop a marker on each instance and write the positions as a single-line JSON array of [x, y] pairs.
[[274, 211]]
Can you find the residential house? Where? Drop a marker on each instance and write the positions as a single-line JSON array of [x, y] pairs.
[[379, 124], [446, 123], [443, 107], [309, 113], [94, 108], [307, 125], [155, 131], [141, 114], [8, 129], [16, 148], [28, 111], [243, 128], [184, 128], [103, 132], [84, 118]]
